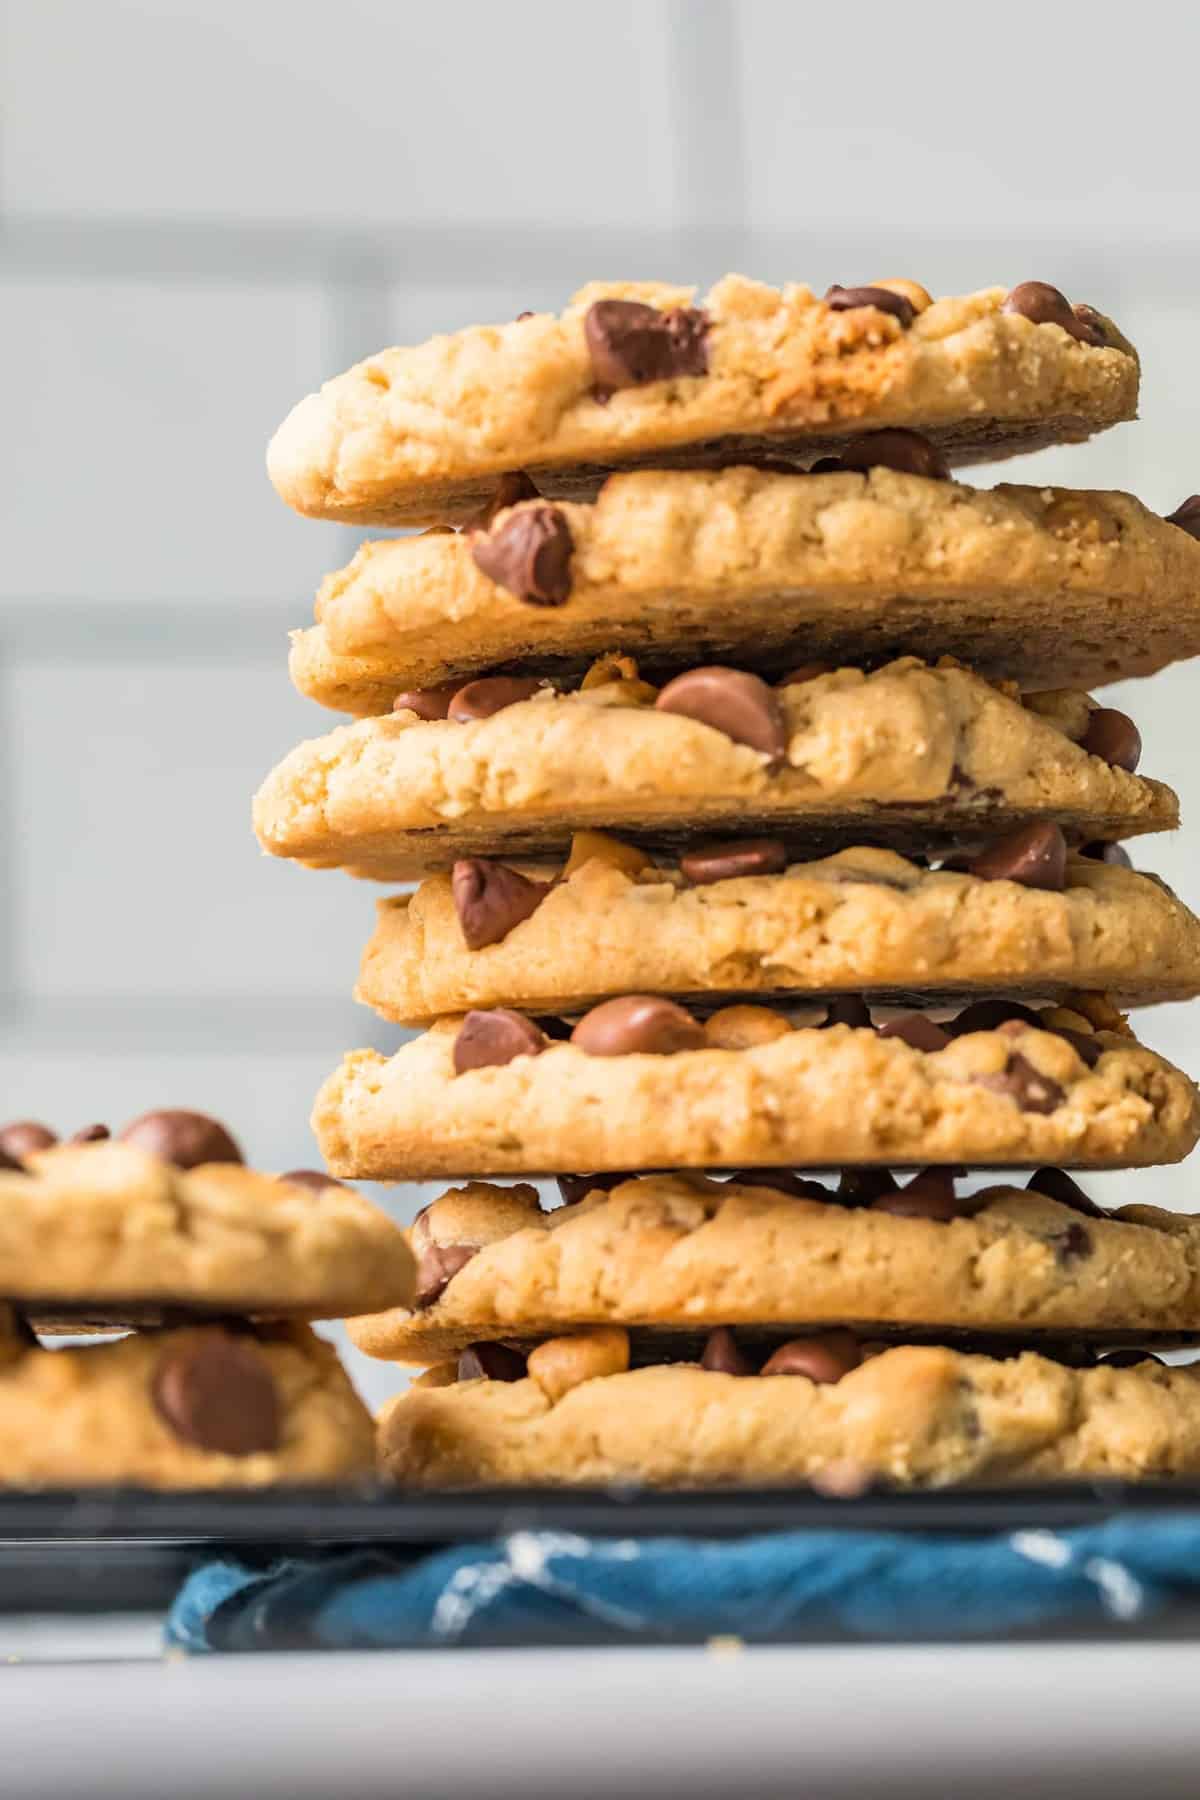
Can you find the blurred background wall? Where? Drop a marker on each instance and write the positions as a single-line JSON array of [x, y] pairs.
[[208, 206]]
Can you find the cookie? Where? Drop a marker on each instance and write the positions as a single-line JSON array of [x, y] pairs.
[[634, 373], [202, 1407], [1043, 586], [685, 1254], [912, 1416], [110, 1233], [1014, 1096], [909, 755], [864, 920]]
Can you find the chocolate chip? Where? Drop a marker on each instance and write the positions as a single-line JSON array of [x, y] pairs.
[[1129, 1359], [25, 1137], [436, 1268], [1187, 516], [859, 1187], [512, 487], [823, 1359], [637, 1024], [529, 554], [490, 899], [987, 1015], [1073, 1244], [1056, 1184], [826, 465], [90, 1134], [847, 1009], [844, 299], [491, 1362], [730, 861], [722, 1355], [917, 1030], [929, 1195], [895, 448], [427, 703], [1020, 1081], [480, 699], [731, 701], [316, 1180], [1116, 855], [1114, 738], [1034, 856], [11, 1164], [217, 1393], [781, 1181], [185, 1139], [487, 1040], [631, 343], [1046, 305], [574, 1188]]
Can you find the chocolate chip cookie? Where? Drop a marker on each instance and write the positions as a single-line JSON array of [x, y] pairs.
[[117, 1232], [1044, 586], [908, 754], [643, 1084], [200, 1407], [736, 918], [831, 1411], [771, 1252], [639, 373]]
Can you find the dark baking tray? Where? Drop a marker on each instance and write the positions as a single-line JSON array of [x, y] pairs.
[[128, 1549]]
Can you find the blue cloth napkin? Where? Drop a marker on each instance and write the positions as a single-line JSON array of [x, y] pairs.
[[537, 1587]]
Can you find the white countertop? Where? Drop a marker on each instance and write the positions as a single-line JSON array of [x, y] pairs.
[[927, 1722]]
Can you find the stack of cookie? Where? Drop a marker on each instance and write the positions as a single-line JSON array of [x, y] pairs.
[[770, 886], [210, 1270]]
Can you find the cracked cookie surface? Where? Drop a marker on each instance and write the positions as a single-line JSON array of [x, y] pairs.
[[910, 755], [109, 1234], [420, 435], [810, 1098], [864, 921], [1044, 586], [915, 1416]]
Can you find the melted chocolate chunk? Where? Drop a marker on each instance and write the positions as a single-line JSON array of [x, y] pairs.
[[630, 343], [844, 299]]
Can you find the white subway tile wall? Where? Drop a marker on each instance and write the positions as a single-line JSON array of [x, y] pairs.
[[208, 207]]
